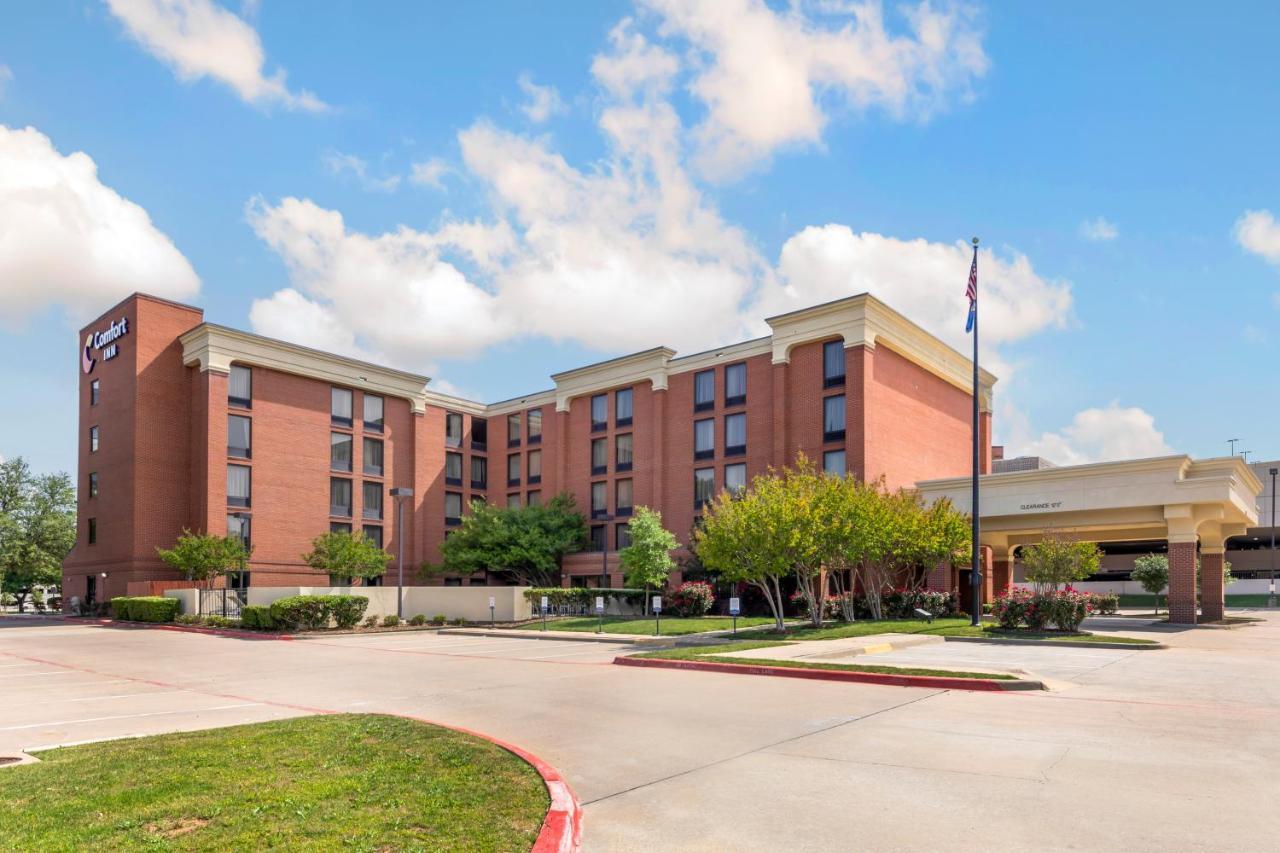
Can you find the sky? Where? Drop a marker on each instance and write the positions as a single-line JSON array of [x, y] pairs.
[[491, 193]]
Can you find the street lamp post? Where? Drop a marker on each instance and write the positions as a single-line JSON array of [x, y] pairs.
[[1271, 595], [397, 494]]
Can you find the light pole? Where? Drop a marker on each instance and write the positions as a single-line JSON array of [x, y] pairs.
[[398, 493], [1231, 442], [1271, 596]]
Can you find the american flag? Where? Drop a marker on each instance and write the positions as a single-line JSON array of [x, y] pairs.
[[971, 291]]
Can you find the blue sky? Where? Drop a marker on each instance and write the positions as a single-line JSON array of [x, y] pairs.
[[599, 177]]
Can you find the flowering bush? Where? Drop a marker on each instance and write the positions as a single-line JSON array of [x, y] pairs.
[[693, 598], [1065, 609], [1106, 603], [1009, 610], [830, 605], [902, 603]]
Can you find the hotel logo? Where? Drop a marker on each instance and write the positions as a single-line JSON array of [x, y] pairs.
[[104, 343]]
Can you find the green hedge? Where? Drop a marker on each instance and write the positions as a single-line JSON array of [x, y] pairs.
[[313, 612], [347, 609], [148, 608], [257, 616], [579, 595]]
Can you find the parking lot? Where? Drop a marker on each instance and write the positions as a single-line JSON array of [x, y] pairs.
[[1142, 753]]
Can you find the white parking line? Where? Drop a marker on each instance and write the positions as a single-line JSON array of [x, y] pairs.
[[12, 665], [50, 723], [38, 674]]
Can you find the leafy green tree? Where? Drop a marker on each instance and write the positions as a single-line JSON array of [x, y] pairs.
[[1056, 560], [347, 556], [647, 561], [529, 542], [203, 557], [1152, 571], [37, 528]]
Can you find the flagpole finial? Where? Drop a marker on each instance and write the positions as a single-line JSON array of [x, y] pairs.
[[975, 242]]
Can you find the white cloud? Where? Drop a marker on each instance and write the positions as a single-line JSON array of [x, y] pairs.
[[1258, 232], [341, 164], [66, 239], [199, 38], [1099, 230], [1099, 435], [769, 78], [543, 101], [429, 173], [6, 77]]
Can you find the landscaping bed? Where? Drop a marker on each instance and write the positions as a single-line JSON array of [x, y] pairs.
[[672, 626], [360, 782], [950, 627]]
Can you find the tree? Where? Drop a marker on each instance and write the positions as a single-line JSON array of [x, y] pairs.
[[1056, 560], [647, 562], [529, 542], [347, 556], [1152, 571], [203, 557], [37, 528]]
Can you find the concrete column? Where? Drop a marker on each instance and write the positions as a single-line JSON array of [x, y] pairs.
[[1212, 586], [1182, 582], [1001, 575], [988, 584]]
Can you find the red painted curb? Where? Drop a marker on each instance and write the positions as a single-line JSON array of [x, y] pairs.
[[189, 629], [936, 681]]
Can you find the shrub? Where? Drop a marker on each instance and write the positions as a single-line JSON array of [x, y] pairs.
[[693, 598], [147, 608], [1065, 609], [390, 620], [187, 619], [830, 605], [216, 621], [459, 621], [902, 603], [120, 607], [370, 621], [256, 616], [580, 596], [308, 612], [420, 619], [1010, 610], [1106, 603], [438, 619], [347, 609]]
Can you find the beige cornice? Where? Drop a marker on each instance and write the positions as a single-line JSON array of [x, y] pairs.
[[216, 348], [519, 404], [647, 366], [722, 355], [455, 404]]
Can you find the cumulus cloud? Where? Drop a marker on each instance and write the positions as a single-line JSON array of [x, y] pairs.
[[429, 173], [543, 101], [68, 240], [340, 164], [199, 38], [1099, 230], [769, 78], [1258, 232], [1100, 435]]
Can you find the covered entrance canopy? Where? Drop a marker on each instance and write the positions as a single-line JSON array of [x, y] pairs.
[[1184, 501]]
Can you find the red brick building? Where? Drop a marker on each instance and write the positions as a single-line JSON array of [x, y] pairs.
[[185, 424]]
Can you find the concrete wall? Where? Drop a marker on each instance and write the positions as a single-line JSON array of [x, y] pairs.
[[1240, 587], [188, 599], [455, 602]]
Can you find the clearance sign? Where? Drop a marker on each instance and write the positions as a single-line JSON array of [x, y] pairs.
[[103, 343]]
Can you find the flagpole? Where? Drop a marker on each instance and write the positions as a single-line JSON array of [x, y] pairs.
[[975, 575]]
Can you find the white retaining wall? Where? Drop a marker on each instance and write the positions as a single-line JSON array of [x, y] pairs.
[[454, 602], [1240, 587]]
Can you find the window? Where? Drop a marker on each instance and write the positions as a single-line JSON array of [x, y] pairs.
[[238, 527], [93, 392], [479, 472], [513, 500], [622, 452], [239, 430], [479, 433], [704, 485], [453, 429], [535, 426], [339, 527], [833, 418], [452, 508], [513, 430], [735, 477], [93, 484], [735, 435], [371, 501], [238, 485], [373, 419], [599, 455], [535, 466], [340, 451], [735, 385], [704, 390], [240, 386], [372, 461], [93, 439], [622, 497], [373, 532], [453, 469], [339, 497], [513, 469], [238, 580], [599, 499], [832, 364], [453, 581], [534, 498], [340, 406], [597, 538], [622, 408], [622, 536], [833, 462], [600, 411], [704, 438], [93, 531]]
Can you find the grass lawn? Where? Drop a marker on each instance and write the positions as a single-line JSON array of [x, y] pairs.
[[715, 654], [672, 626], [349, 781], [948, 627]]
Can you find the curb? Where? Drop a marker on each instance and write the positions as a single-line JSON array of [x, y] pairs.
[[1013, 641], [934, 681], [584, 637]]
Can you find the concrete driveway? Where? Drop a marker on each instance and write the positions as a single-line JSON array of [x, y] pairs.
[[1168, 750]]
